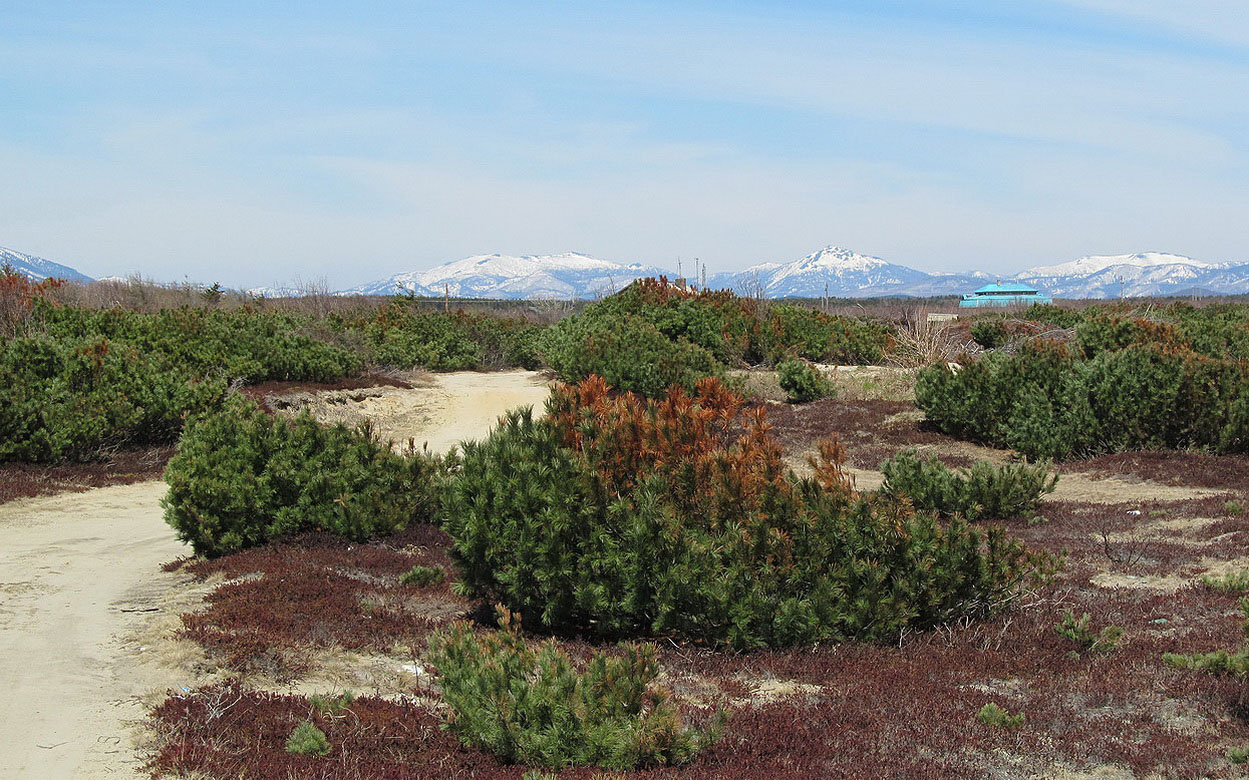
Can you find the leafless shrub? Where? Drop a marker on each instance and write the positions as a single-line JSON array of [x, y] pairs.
[[919, 342]]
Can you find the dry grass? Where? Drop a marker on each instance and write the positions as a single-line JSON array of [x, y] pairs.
[[920, 343]]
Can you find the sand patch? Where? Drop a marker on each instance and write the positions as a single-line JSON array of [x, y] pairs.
[[447, 409], [82, 587], [1114, 490]]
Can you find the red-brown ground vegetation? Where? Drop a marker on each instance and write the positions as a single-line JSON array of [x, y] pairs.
[[835, 710], [122, 467]]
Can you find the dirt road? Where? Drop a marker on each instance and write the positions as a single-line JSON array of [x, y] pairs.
[[77, 570], [81, 588]]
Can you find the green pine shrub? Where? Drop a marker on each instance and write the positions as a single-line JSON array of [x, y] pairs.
[[1231, 582], [994, 715], [652, 335], [1080, 631], [1230, 662], [803, 382], [983, 491], [332, 705], [423, 576], [77, 382], [626, 350], [241, 478], [624, 517], [1048, 402], [989, 333], [243, 344], [535, 708], [1052, 315], [70, 398], [400, 337], [307, 740]]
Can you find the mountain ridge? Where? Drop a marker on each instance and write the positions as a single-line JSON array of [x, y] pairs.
[[36, 269], [832, 270]]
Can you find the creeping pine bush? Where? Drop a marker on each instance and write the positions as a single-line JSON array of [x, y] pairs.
[[70, 398], [1048, 402], [1230, 662], [654, 334], [241, 478], [623, 516], [984, 490], [1231, 582], [400, 337], [242, 344], [989, 333], [803, 382], [1220, 661], [422, 576], [535, 708], [75, 382], [628, 351]]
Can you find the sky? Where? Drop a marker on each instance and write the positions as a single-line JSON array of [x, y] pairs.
[[336, 143]]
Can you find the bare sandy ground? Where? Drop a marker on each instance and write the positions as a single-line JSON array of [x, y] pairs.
[[83, 601], [453, 408], [79, 572]]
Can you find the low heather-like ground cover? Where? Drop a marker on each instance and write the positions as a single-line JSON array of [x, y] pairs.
[[838, 710]]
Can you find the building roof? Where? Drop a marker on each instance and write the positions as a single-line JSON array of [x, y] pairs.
[[1010, 287]]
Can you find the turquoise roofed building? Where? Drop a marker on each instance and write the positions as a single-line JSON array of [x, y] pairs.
[[1003, 294]]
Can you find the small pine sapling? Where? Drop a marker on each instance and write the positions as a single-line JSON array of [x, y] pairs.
[[332, 705], [533, 707], [1234, 663], [803, 382], [1231, 582], [993, 715], [307, 740], [1080, 631]]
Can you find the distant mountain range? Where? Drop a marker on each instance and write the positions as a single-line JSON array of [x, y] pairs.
[[564, 276], [842, 273], [37, 269], [832, 271], [1151, 273]]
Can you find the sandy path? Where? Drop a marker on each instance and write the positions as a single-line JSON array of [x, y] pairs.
[[80, 586], [71, 565], [455, 407]]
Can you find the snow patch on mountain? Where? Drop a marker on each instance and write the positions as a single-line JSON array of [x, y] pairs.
[[37, 269], [839, 272], [1136, 275], [565, 276]]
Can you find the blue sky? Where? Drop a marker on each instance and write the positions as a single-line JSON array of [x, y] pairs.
[[264, 143]]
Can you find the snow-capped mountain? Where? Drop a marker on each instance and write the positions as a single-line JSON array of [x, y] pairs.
[[564, 276], [843, 273], [37, 269], [1147, 273]]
